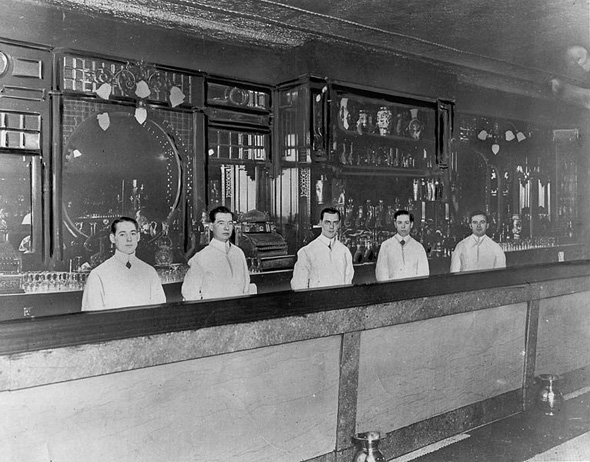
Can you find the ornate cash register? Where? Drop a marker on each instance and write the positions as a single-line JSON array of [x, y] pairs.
[[265, 249]]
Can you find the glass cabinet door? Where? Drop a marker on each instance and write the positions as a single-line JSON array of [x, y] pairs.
[[238, 169], [238, 146], [301, 141], [20, 220], [383, 157]]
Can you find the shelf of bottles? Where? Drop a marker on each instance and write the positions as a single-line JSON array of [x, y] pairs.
[[382, 158], [382, 135]]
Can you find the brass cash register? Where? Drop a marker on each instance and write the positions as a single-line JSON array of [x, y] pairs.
[[256, 235]]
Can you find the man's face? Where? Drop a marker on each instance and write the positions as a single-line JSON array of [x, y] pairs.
[[403, 225], [479, 225], [125, 238], [330, 225], [223, 226]]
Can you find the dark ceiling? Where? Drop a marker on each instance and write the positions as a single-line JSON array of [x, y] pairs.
[[524, 39]]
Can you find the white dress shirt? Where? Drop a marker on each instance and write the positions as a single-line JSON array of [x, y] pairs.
[[219, 270], [474, 253], [112, 285], [321, 263], [397, 261]]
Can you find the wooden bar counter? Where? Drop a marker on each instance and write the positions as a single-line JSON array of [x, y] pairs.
[[292, 375]]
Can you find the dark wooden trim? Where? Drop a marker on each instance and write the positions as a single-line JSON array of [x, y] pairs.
[[348, 389], [91, 327], [530, 358]]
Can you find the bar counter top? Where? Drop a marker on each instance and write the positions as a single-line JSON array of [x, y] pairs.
[[26, 305], [81, 327]]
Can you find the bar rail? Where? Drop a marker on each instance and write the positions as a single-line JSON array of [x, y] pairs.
[[47, 332]]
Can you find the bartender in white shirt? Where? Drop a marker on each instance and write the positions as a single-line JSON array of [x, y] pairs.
[[477, 251], [122, 280], [325, 261], [220, 269], [401, 256]]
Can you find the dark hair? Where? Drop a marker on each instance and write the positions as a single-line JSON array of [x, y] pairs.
[[122, 220], [220, 209], [329, 210], [478, 212], [403, 212]]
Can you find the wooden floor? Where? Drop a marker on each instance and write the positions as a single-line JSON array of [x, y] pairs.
[[517, 438]]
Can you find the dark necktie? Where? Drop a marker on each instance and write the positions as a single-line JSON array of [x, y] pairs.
[[402, 242], [128, 264]]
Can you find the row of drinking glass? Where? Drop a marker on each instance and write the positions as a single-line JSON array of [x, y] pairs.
[[63, 281], [52, 281], [529, 243], [173, 273]]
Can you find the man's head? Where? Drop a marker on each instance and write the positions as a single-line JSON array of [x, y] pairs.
[[222, 223], [125, 235], [404, 222], [478, 222], [330, 222]]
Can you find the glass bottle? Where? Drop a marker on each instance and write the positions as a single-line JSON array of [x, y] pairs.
[[163, 255], [384, 120]]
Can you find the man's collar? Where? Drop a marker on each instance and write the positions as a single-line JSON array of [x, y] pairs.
[[478, 240], [124, 257], [327, 241], [216, 243]]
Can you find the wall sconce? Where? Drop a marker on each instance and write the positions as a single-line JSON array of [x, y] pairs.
[[512, 134], [483, 135], [137, 81]]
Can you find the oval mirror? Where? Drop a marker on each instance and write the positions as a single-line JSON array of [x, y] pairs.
[[113, 167]]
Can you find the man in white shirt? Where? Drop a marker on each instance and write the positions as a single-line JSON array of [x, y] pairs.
[[220, 269], [122, 280], [477, 251], [325, 261], [401, 256]]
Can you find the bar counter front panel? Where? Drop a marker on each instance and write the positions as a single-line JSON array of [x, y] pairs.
[[291, 376]]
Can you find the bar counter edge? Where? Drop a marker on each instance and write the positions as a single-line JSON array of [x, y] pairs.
[[501, 287]]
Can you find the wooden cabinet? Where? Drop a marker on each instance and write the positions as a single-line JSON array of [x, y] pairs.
[[25, 181], [367, 153]]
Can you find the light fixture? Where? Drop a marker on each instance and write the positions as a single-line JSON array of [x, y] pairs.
[[510, 134], [483, 135]]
